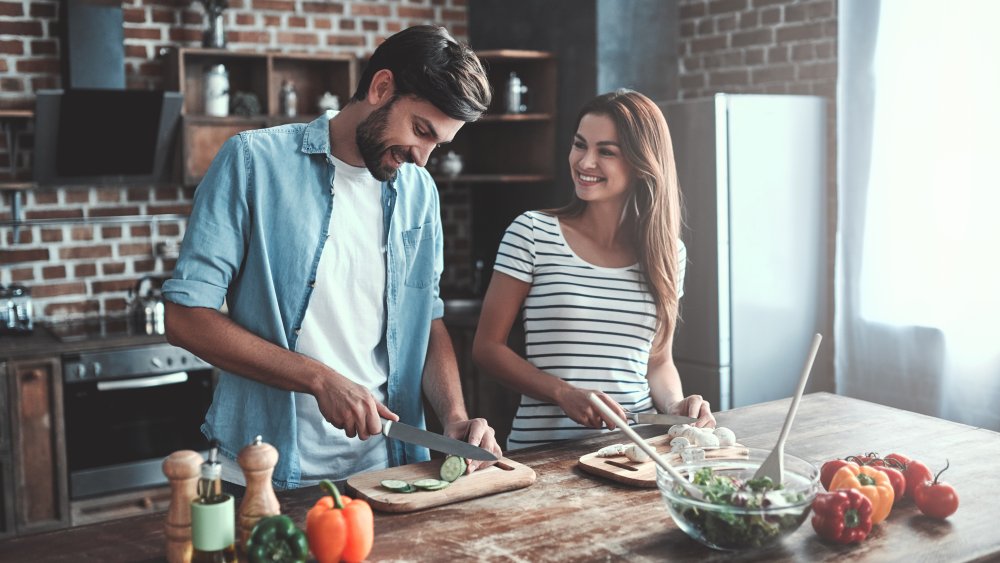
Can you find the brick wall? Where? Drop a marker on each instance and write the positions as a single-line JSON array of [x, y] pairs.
[[758, 46], [762, 46], [86, 269]]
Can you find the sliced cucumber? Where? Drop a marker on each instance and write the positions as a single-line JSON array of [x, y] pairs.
[[453, 468], [396, 486], [430, 484]]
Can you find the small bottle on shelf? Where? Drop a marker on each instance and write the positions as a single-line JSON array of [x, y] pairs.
[[213, 523], [289, 99]]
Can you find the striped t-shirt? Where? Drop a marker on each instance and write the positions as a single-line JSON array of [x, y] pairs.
[[588, 325]]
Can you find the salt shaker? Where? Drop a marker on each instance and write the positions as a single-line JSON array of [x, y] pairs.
[[257, 461], [182, 469]]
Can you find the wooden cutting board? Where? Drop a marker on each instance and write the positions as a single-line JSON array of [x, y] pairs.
[[619, 468], [505, 475]]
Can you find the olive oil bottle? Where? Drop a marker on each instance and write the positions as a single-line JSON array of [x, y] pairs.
[[213, 522]]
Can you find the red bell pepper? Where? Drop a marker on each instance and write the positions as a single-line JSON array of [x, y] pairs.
[[843, 516]]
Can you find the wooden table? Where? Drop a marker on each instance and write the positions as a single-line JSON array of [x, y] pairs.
[[568, 515]]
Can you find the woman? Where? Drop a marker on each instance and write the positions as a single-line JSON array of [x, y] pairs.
[[599, 281]]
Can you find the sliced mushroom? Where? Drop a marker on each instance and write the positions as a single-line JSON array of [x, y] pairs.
[[726, 436], [677, 430], [679, 443], [636, 454], [611, 451]]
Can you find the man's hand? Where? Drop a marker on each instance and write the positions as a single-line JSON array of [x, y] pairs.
[[575, 402], [478, 433], [350, 406], [696, 407]]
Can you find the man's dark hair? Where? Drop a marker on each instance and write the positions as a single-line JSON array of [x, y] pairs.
[[426, 62]]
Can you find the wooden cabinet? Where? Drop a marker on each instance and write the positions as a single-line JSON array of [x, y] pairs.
[[505, 148], [37, 442], [6, 483], [260, 74], [509, 159]]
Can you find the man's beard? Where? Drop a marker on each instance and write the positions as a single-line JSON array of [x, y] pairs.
[[369, 138]]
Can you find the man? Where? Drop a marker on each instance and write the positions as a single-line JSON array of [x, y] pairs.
[[325, 242]]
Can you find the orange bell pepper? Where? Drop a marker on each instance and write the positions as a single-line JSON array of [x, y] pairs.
[[338, 528], [872, 483]]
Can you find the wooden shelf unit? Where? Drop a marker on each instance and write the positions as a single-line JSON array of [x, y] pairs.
[[261, 74], [509, 159], [506, 148]]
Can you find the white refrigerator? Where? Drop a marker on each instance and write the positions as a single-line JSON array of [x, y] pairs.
[[752, 172]]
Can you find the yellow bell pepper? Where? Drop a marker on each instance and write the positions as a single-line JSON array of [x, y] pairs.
[[872, 483]]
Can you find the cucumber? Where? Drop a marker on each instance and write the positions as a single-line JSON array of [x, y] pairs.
[[397, 486], [430, 484], [453, 468], [438, 487]]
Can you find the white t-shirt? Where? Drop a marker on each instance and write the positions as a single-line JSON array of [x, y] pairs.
[[344, 325]]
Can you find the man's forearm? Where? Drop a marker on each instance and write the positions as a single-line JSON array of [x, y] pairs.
[[218, 340], [441, 382]]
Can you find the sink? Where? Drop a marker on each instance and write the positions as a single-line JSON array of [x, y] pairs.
[[461, 306]]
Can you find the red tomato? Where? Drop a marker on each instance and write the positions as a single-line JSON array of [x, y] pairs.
[[829, 468], [897, 480], [864, 459], [936, 499], [916, 474], [900, 459]]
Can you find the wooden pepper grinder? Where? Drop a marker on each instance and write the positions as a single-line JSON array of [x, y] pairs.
[[257, 461], [182, 469]]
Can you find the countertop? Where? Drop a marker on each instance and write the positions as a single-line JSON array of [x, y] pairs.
[[459, 314], [41, 342], [568, 515]]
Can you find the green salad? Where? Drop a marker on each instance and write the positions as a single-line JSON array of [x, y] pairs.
[[730, 525]]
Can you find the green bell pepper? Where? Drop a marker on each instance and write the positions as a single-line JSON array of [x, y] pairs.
[[276, 539]]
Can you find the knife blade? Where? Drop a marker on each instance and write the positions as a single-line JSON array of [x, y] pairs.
[[658, 418], [436, 442]]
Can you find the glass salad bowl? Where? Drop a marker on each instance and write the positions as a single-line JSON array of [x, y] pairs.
[[738, 513]]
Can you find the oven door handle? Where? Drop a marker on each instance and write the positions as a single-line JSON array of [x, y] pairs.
[[143, 382]]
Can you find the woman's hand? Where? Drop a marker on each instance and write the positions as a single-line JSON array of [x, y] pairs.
[[576, 404], [696, 407]]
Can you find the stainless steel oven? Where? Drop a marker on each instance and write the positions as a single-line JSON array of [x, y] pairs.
[[126, 409]]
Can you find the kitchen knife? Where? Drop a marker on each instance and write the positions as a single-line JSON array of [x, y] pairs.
[[657, 418], [436, 442]]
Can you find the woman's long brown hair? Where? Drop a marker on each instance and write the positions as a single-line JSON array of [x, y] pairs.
[[654, 208]]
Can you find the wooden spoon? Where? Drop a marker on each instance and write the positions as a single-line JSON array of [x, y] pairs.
[[774, 464]]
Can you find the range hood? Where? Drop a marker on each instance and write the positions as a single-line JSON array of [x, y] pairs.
[[95, 131], [93, 45]]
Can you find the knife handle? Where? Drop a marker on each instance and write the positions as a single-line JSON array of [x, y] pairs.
[[385, 426]]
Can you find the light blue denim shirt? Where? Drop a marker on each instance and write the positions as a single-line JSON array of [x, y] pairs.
[[256, 233]]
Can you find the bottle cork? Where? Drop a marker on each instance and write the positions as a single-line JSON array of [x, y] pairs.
[[182, 469], [257, 461]]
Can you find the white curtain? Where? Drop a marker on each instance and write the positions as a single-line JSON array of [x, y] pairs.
[[918, 260]]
